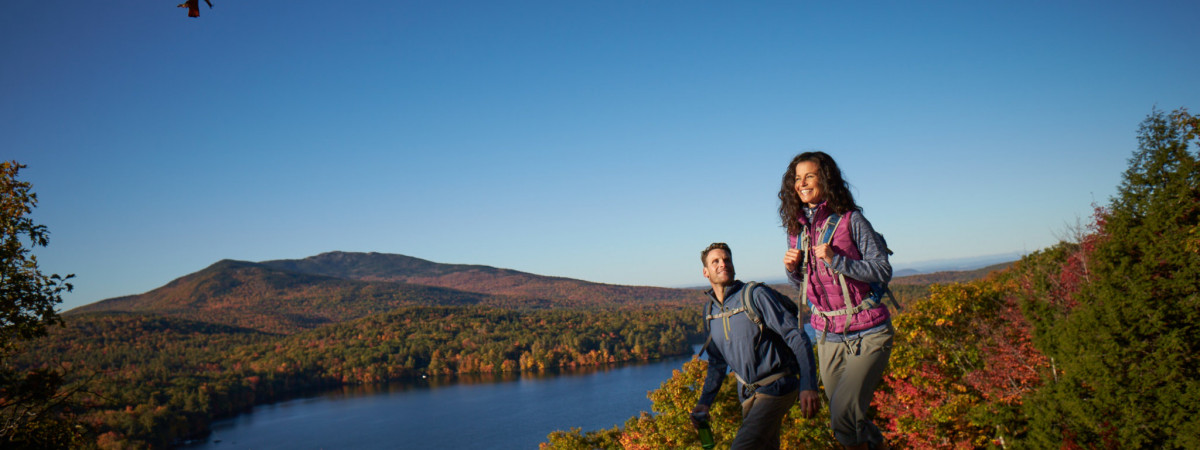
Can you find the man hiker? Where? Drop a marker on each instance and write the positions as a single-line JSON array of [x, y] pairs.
[[758, 338]]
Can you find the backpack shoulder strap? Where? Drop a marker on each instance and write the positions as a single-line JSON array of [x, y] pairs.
[[831, 224], [748, 302], [895, 304], [802, 245], [825, 235]]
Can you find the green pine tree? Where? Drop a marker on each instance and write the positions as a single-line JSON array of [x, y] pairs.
[[1126, 355]]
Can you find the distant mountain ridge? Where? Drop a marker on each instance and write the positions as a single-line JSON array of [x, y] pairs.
[[949, 276], [954, 264], [286, 296]]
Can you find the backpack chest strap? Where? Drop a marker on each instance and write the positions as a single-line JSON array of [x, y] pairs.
[[724, 314], [866, 304]]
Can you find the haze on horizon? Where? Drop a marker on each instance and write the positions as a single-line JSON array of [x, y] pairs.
[[606, 142]]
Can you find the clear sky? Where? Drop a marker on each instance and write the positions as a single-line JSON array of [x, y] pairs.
[[608, 141]]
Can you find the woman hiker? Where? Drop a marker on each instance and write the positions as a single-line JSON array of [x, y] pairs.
[[840, 264]]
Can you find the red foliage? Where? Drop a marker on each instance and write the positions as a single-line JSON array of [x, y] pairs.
[[906, 412], [1011, 362], [1075, 270], [964, 361]]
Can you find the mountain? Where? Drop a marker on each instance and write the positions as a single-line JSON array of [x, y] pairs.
[[475, 278], [286, 296], [251, 295]]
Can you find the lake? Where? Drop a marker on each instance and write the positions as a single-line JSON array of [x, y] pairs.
[[501, 412]]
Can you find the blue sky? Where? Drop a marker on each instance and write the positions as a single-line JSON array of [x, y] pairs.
[[608, 141]]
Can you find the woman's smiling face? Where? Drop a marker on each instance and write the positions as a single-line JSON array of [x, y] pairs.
[[808, 183]]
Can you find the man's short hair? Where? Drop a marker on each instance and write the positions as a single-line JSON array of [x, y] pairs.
[[714, 246]]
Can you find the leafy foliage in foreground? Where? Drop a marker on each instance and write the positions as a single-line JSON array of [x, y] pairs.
[[961, 363], [669, 427], [35, 406]]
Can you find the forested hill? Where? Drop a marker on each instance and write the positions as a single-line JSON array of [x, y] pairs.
[[475, 278], [287, 296], [250, 295]]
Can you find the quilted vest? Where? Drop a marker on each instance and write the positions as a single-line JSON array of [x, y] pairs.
[[824, 292]]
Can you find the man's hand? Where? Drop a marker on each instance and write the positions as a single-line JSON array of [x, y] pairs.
[[698, 409], [791, 259], [810, 403]]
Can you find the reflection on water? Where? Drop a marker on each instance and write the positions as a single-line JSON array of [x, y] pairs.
[[476, 411]]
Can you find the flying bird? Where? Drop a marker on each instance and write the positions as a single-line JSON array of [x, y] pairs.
[[193, 7]]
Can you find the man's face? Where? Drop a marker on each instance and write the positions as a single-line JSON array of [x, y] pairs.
[[718, 267]]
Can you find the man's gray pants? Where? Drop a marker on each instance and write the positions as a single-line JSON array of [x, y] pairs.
[[762, 417]]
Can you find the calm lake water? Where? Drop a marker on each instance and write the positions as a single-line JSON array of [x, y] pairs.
[[513, 412]]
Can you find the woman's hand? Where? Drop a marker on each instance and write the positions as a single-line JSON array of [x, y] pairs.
[[791, 259], [824, 253]]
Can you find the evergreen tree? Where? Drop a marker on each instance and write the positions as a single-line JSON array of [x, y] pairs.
[[1126, 352]]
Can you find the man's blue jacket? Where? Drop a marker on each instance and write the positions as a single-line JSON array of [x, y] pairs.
[[738, 344]]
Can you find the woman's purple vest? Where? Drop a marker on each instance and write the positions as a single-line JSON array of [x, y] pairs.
[[824, 292]]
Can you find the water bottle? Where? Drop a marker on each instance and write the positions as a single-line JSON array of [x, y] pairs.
[[700, 419]]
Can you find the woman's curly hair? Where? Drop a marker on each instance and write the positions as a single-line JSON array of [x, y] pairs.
[[834, 190]]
